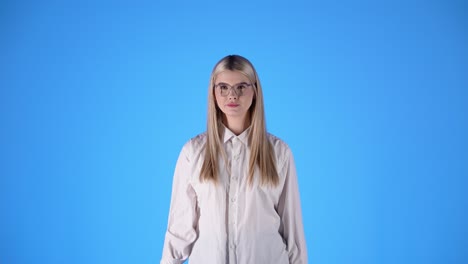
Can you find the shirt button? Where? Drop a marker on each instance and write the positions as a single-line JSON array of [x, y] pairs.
[[236, 157], [233, 199], [234, 178]]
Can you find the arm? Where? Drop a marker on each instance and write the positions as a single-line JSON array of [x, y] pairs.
[[183, 215], [289, 209]]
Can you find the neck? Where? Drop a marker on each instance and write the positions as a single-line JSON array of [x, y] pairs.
[[237, 125]]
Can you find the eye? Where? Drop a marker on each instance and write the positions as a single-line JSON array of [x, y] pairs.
[[241, 86], [223, 87]]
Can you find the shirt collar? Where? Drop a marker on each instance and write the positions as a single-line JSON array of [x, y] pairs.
[[243, 137]]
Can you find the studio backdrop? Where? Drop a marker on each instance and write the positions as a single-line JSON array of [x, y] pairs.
[[97, 98]]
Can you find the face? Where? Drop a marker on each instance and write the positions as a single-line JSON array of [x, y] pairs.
[[235, 107]]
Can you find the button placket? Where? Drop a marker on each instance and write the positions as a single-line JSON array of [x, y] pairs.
[[233, 199]]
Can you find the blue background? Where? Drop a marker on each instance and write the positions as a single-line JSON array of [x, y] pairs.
[[97, 99]]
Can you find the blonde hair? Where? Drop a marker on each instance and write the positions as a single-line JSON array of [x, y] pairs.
[[262, 155]]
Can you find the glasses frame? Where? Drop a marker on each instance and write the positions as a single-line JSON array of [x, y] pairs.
[[237, 92]]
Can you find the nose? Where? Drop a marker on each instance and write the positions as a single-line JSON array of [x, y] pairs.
[[232, 95]]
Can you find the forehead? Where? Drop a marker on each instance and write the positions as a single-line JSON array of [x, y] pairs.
[[231, 77]]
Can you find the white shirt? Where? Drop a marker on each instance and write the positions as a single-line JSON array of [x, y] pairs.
[[232, 222]]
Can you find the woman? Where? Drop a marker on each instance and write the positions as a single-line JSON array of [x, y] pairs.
[[235, 196]]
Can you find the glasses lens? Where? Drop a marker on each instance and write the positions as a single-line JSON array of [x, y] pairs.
[[224, 89], [240, 88]]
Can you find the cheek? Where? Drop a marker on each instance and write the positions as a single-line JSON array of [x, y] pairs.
[[219, 101], [249, 101]]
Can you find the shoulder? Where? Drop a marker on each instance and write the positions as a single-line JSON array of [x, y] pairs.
[[195, 145], [276, 141], [281, 148]]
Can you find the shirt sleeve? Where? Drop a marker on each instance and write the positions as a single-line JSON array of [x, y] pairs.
[[183, 215], [289, 210]]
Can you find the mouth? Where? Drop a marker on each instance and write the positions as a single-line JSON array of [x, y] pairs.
[[232, 105]]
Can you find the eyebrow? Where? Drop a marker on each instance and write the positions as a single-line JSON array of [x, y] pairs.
[[233, 84]]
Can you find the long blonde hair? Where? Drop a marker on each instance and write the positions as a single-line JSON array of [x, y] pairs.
[[262, 154]]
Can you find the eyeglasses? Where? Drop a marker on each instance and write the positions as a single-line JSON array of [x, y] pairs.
[[238, 89]]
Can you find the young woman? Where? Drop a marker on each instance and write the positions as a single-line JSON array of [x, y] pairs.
[[235, 196]]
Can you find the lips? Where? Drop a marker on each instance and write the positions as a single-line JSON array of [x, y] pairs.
[[232, 105]]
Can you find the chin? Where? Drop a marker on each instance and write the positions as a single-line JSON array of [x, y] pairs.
[[235, 113]]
